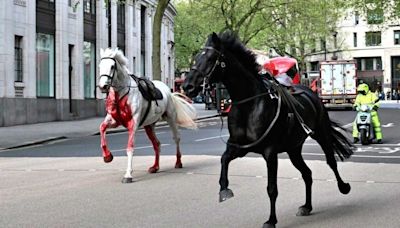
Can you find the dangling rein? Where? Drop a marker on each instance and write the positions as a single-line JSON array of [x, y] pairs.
[[278, 110]]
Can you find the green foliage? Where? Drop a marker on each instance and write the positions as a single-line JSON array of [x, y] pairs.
[[390, 8], [278, 24]]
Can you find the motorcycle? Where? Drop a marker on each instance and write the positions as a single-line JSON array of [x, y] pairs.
[[364, 124]]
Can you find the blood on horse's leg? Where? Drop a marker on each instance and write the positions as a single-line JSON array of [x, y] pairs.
[[129, 151], [178, 164], [156, 145], [107, 155]]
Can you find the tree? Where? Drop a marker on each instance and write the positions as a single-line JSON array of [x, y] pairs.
[[161, 6], [288, 26], [391, 8], [299, 25], [197, 19]]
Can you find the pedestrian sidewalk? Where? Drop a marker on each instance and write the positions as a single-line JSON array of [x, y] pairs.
[[390, 104], [31, 134]]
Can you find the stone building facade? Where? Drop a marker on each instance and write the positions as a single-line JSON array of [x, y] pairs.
[[50, 51], [371, 41]]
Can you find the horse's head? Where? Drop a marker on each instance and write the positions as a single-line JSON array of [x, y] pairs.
[[110, 63], [207, 66]]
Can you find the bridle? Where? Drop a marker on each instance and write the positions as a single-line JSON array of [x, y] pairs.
[[111, 76], [220, 61]]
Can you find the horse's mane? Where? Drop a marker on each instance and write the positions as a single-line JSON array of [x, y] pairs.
[[246, 57], [118, 55]]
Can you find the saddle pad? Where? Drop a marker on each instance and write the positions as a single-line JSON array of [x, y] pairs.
[[148, 90]]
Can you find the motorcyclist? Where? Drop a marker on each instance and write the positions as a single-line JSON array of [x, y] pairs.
[[365, 96]]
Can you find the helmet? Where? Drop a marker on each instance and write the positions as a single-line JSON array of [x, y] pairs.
[[363, 88]]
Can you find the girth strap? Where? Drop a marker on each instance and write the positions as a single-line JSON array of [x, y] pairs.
[[145, 114]]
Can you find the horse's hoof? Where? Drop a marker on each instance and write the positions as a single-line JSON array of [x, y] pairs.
[[178, 166], [225, 194], [267, 225], [127, 180], [108, 158], [303, 211], [344, 188], [153, 169]]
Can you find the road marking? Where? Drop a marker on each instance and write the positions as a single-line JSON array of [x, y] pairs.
[[369, 182], [139, 148], [347, 125], [215, 137], [358, 156], [359, 145], [388, 125]]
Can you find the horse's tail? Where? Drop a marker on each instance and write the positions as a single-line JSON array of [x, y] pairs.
[[340, 143], [186, 113]]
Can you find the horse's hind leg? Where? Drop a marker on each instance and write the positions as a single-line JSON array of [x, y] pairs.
[[156, 146], [330, 159], [298, 162], [177, 138]]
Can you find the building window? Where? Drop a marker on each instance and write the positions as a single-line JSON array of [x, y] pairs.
[[44, 65], [334, 34], [322, 44], [375, 16], [121, 26], [89, 6], [134, 15], [18, 60], [314, 66], [121, 14], [397, 37], [89, 72], [355, 39], [356, 18], [378, 63], [369, 63], [143, 41], [373, 38]]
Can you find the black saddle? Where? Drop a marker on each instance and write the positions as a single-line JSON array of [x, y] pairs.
[[147, 89]]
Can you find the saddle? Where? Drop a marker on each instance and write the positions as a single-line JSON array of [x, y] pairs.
[[288, 95], [149, 93], [147, 89]]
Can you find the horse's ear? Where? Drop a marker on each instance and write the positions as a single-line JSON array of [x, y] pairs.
[[215, 39]]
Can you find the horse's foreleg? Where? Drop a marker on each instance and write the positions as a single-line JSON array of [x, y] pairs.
[[129, 151], [156, 145], [177, 139], [108, 122], [272, 188], [298, 162], [225, 193]]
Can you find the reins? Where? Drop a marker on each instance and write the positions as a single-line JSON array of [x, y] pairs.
[[278, 110]]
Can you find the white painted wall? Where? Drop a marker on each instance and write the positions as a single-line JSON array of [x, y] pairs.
[[18, 17]]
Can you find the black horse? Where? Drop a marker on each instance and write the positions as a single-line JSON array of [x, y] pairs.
[[265, 118]]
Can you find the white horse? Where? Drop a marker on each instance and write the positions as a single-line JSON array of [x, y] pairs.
[[126, 106]]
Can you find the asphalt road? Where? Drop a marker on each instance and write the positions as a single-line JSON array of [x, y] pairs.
[[209, 139]]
